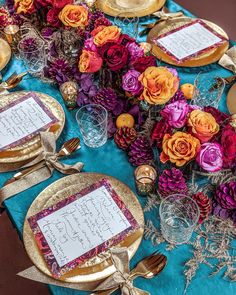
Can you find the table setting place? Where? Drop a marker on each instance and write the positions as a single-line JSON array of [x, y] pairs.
[[118, 146]]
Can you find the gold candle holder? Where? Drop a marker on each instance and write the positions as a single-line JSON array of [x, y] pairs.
[[12, 34], [145, 179], [69, 91]]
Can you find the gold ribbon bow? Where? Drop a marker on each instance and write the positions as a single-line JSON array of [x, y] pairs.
[[228, 60], [162, 15], [50, 158], [122, 277]]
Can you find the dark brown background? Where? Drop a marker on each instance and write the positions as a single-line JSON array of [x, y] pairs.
[[12, 256]]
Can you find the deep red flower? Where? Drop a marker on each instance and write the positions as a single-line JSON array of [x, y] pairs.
[[142, 63], [125, 39], [160, 129], [59, 4], [52, 17], [228, 143], [115, 55], [221, 118]]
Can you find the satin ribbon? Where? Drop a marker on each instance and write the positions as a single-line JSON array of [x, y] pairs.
[[122, 277], [51, 162], [228, 60], [167, 15]]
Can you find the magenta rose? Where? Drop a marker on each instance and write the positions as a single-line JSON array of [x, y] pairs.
[[210, 157], [176, 113], [131, 83], [142, 63], [228, 142], [52, 17], [116, 56], [89, 45], [135, 50], [160, 129]]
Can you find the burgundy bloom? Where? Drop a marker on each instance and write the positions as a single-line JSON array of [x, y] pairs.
[[221, 118], [102, 21], [178, 96], [142, 63], [43, 3], [116, 57], [228, 143], [52, 17], [160, 129], [125, 39], [59, 4]]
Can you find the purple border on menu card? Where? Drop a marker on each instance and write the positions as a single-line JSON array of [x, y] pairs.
[[50, 259], [173, 57], [31, 135]]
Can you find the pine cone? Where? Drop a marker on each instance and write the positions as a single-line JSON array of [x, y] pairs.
[[107, 98], [172, 182], [204, 204], [225, 195], [124, 137], [140, 152]]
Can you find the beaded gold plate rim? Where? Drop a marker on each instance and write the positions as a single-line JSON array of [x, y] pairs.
[[30, 149], [5, 53], [204, 59], [99, 267], [113, 10]]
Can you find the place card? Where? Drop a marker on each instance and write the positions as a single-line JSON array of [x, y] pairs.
[[23, 119], [81, 227], [189, 41]]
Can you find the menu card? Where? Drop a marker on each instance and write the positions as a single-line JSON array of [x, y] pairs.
[[81, 226], [189, 41], [23, 119]]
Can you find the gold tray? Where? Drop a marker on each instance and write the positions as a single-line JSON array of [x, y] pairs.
[[89, 273], [5, 53], [111, 8], [31, 148], [231, 99], [201, 60]]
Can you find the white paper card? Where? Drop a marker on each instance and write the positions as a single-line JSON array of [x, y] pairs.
[[21, 120], [188, 40], [82, 225]]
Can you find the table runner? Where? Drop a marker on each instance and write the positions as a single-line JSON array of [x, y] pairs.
[[113, 161]]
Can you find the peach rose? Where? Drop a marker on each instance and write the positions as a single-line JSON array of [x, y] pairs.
[[160, 84], [108, 34], [74, 16], [89, 62], [179, 148], [203, 125], [24, 6]]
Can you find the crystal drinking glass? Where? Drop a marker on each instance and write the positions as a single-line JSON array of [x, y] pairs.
[[179, 215], [129, 24], [32, 51], [92, 120], [207, 90]]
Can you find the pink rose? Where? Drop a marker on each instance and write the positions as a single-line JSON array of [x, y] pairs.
[[89, 45], [210, 157], [176, 113], [131, 83]]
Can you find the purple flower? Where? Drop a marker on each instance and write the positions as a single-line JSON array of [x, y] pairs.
[[87, 89], [47, 32], [135, 50], [178, 96], [176, 113], [173, 71], [58, 70], [89, 45], [210, 157], [131, 83]]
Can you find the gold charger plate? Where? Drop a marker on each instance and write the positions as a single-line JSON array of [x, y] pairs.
[[231, 99], [5, 53], [204, 59], [31, 148], [146, 8], [89, 273]]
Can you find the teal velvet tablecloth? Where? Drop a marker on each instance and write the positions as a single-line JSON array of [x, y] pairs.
[[112, 161]]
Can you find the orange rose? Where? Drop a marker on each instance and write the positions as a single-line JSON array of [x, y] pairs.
[[74, 16], [179, 148], [24, 6], [108, 34], [159, 84], [89, 62], [203, 125]]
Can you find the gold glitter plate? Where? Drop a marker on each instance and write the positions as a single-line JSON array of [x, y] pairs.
[[147, 7], [231, 99], [5, 53], [20, 154], [206, 58], [99, 267]]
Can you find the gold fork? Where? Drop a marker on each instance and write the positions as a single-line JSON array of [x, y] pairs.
[[67, 149], [12, 81], [147, 268]]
